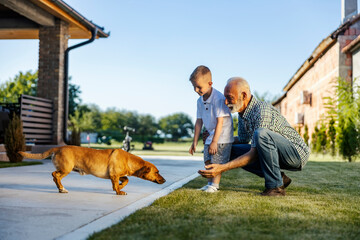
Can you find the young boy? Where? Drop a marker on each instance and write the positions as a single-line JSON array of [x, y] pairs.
[[216, 117]]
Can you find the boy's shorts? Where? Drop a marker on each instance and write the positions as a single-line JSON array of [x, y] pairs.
[[222, 156]]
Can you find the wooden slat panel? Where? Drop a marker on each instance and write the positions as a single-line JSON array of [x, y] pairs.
[[37, 103], [37, 130], [37, 98], [36, 136], [35, 119], [37, 114], [36, 125], [40, 109]]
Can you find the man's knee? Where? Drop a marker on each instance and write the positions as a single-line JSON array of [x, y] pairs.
[[238, 150], [261, 135]]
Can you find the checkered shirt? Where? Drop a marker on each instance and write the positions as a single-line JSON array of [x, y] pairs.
[[260, 114]]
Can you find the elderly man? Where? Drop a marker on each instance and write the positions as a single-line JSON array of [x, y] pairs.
[[274, 145]]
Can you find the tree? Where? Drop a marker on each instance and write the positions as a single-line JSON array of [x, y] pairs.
[[112, 119], [266, 96], [23, 83], [314, 138], [92, 111], [348, 117], [74, 98], [321, 140], [332, 137], [178, 125], [14, 139], [147, 126], [235, 124], [306, 134]]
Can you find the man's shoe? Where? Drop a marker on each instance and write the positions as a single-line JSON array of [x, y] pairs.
[[273, 192], [286, 180]]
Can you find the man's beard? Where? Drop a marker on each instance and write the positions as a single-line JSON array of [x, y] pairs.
[[236, 107]]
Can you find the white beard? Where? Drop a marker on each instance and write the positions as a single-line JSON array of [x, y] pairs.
[[235, 107]]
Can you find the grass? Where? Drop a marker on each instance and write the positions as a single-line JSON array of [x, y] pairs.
[[323, 202], [19, 164], [160, 149]]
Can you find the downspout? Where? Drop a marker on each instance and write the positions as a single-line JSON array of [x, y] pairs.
[[66, 78]]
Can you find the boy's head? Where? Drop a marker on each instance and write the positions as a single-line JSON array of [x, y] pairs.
[[201, 80]]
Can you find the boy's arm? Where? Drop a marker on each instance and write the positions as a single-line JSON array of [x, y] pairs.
[[213, 146], [198, 126]]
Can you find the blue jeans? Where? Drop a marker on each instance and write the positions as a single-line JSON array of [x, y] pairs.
[[274, 153]]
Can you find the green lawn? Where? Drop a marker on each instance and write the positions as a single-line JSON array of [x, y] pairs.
[[19, 164], [160, 149], [323, 202]]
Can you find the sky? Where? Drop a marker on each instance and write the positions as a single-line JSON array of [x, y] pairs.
[[154, 45]]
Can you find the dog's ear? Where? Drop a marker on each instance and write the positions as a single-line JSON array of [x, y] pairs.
[[142, 171]]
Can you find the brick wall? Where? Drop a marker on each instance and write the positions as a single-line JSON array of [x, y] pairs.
[[319, 80], [52, 45]]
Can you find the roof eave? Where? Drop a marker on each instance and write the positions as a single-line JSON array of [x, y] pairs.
[[277, 101], [320, 51], [88, 24]]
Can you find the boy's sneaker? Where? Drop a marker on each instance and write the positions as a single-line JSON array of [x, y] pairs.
[[204, 188], [211, 189]]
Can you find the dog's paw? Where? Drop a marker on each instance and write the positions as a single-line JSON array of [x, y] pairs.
[[63, 190], [121, 193]]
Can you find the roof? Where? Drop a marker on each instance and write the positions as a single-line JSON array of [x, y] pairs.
[[21, 19], [277, 101], [319, 51], [352, 46]]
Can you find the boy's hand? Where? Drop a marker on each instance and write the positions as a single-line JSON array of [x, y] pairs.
[[213, 148], [192, 149]]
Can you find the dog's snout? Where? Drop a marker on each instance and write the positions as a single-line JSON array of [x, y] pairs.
[[160, 180]]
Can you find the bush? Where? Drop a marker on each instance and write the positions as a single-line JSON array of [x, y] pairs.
[[14, 139], [348, 117], [306, 135]]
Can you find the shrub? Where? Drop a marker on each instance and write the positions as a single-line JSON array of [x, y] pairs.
[[332, 137], [14, 139], [314, 140], [306, 135], [321, 141], [348, 117]]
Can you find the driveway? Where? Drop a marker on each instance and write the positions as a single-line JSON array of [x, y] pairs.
[[32, 208]]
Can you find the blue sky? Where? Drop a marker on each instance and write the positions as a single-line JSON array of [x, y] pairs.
[[154, 45]]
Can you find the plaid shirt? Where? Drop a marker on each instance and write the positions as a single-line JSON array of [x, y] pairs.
[[260, 114]]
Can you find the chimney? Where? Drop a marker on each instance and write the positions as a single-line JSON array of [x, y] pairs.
[[348, 9]]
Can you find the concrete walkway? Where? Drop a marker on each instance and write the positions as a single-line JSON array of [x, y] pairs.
[[32, 208]]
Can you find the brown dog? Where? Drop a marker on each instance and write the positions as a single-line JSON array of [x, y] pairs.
[[114, 164]]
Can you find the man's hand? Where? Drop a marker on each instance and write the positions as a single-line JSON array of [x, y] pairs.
[[205, 135], [213, 148], [212, 170], [192, 149]]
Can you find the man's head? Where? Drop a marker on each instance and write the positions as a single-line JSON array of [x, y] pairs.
[[237, 94], [201, 80]]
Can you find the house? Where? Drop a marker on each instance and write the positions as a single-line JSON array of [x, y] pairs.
[[53, 23], [336, 56]]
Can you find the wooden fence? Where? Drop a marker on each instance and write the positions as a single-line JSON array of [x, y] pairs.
[[37, 118]]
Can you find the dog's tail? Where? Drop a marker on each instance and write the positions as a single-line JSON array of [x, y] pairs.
[[38, 156]]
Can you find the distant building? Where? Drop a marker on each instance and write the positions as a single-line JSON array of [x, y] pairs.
[[338, 55]]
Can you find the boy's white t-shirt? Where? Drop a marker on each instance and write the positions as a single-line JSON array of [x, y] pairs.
[[210, 110]]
